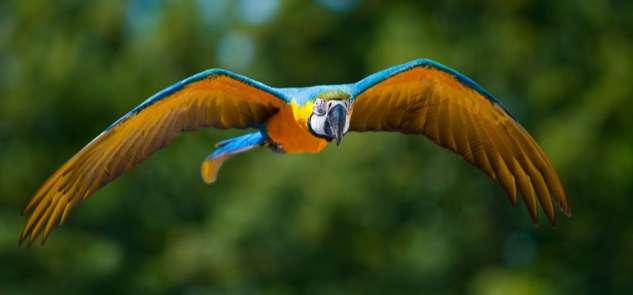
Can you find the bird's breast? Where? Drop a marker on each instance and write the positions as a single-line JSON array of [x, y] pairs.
[[288, 128]]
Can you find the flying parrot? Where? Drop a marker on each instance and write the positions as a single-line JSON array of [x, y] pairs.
[[418, 97]]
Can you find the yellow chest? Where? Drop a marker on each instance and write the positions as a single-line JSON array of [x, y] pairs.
[[288, 128]]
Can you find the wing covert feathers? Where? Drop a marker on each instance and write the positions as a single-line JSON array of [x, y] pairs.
[[430, 101], [215, 101]]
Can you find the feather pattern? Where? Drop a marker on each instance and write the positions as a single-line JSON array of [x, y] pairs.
[[454, 112], [212, 99], [227, 149], [419, 97]]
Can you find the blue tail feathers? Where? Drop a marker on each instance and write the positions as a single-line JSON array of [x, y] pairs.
[[238, 144], [226, 149]]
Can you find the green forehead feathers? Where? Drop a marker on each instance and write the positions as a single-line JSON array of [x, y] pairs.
[[333, 95]]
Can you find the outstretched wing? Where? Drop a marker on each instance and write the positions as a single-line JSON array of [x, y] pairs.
[[425, 97], [214, 98]]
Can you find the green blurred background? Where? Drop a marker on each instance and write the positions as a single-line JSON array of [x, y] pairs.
[[384, 214]]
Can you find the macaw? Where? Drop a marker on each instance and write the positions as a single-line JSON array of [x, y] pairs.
[[418, 97]]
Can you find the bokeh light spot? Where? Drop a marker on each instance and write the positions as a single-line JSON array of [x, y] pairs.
[[142, 15], [235, 50], [257, 11], [213, 11], [519, 249]]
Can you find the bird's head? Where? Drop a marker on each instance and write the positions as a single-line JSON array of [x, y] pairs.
[[331, 115]]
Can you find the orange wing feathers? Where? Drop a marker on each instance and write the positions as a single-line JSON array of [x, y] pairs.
[[218, 100], [421, 97], [429, 101]]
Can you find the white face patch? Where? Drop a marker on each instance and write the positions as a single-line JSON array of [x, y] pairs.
[[319, 115], [317, 124]]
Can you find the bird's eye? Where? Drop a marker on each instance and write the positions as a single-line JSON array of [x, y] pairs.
[[319, 108]]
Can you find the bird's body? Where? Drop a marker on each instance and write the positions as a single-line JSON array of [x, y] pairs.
[[419, 97], [288, 130]]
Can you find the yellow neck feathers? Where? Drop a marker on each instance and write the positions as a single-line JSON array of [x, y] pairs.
[[301, 113]]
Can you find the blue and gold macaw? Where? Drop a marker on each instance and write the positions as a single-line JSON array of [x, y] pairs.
[[418, 97]]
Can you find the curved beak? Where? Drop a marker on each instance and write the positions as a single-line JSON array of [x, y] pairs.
[[336, 119]]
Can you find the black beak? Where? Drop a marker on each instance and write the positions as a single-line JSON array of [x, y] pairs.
[[336, 118]]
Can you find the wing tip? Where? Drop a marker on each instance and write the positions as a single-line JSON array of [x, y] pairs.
[[553, 221], [28, 236], [566, 210], [33, 230], [551, 218], [21, 240]]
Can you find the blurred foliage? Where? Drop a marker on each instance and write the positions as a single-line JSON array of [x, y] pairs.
[[383, 214]]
